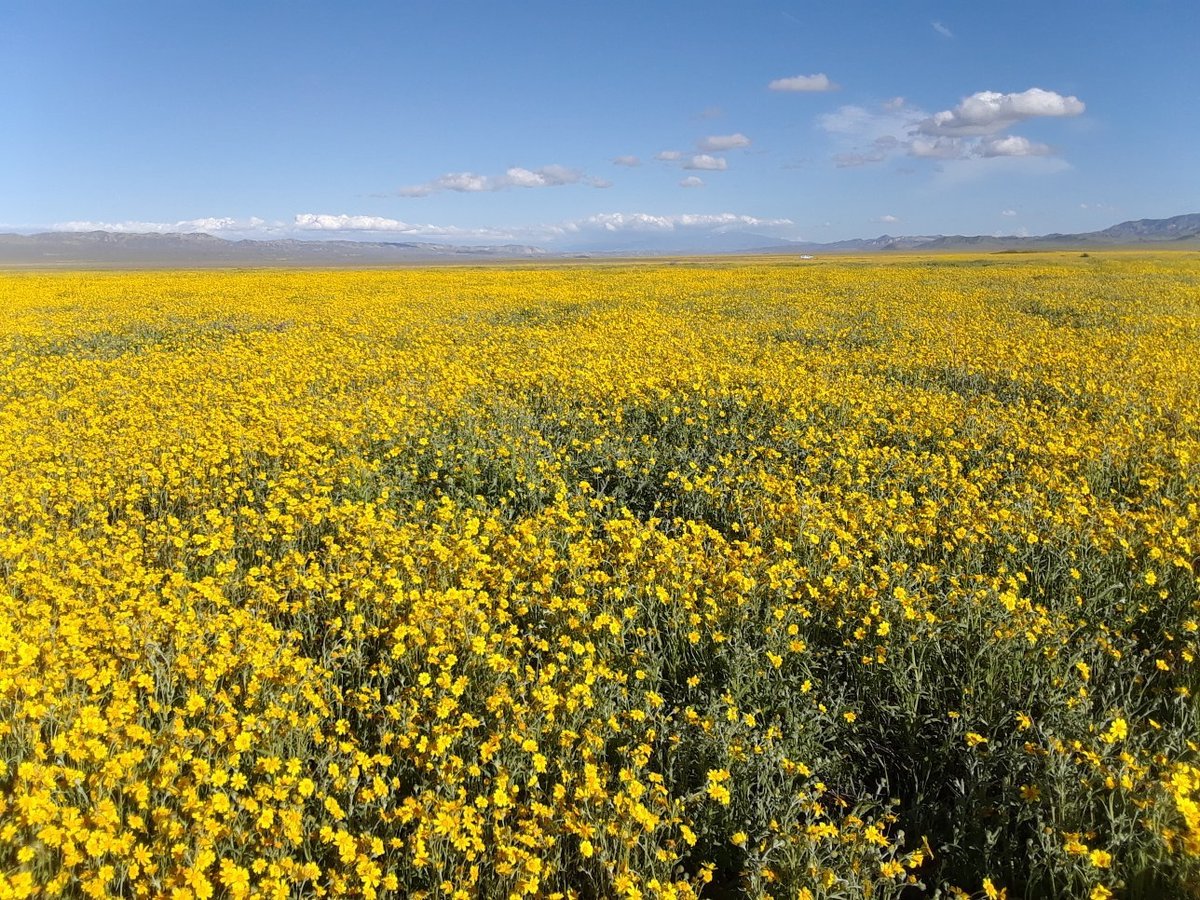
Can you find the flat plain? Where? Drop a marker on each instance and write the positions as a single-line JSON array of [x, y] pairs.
[[835, 578]]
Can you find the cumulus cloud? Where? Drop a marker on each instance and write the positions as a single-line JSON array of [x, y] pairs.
[[803, 83], [1011, 145], [887, 220], [707, 163], [988, 112], [668, 155], [325, 222], [984, 148], [627, 161], [515, 177], [692, 181], [381, 225], [718, 143], [942, 29], [552, 175], [974, 130]]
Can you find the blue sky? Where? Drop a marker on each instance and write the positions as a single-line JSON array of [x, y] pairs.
[[571, 123]]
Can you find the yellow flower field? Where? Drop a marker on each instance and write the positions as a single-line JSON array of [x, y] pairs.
[[842, 578]]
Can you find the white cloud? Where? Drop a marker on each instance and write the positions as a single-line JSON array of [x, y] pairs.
[[301, 225], [809, 83], [668, 155], [718, 143], [211, 225], [983, 148], [692, 182], [366, 227], [518, 177], [988, 112], [887, 220], [466, 182], [374, 227], [1011, 145], [648, 222], [375, 224], [515, 177], [704, 162], [1008, 213], [942, 29], [627, 161], [972, 131], [593, 181]]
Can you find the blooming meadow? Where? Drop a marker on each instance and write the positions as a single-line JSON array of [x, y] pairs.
[[840, 578]]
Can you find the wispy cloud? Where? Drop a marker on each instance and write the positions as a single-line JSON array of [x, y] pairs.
[[706, 163], [942, 29], [953, 172], [668, 155], [692, 181], [719, 143], [627, 161], [936, 148], [870, 135], [515, 177], [1008, 213], [878, 150], [804, 83]]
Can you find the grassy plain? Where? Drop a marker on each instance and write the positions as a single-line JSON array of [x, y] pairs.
[[839, 578]]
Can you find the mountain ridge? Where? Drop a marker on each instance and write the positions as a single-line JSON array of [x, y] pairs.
[[1176, 229], [106, 248]]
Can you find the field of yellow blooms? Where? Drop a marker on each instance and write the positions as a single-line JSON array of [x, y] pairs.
[[835, 579]]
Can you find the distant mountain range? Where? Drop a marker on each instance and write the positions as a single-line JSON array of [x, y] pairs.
[[1177, 231], [104, 248], [73, 248]]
